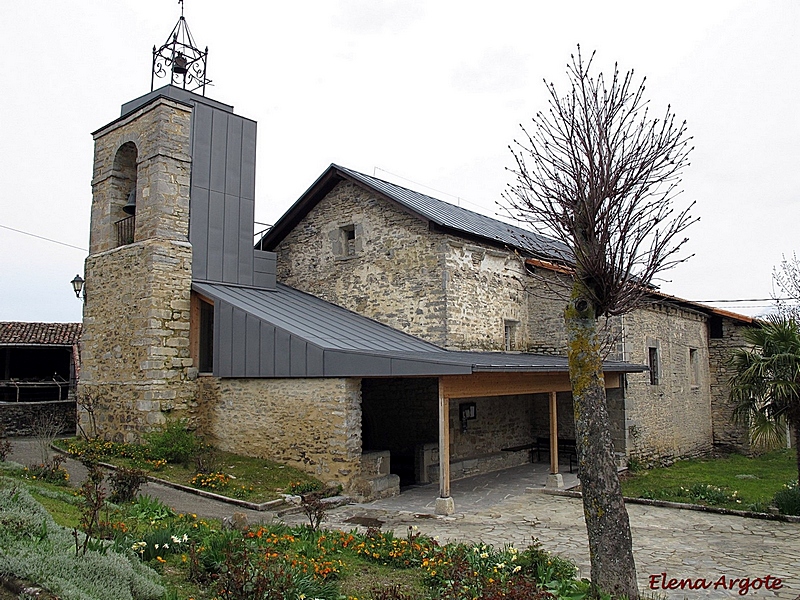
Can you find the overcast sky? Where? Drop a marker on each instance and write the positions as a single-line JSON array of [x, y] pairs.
[[427, 94]]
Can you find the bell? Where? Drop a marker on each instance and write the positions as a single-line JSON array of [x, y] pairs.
[[180, 64], [130, 207]]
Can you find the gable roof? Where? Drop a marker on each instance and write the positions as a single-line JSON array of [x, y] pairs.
[[17, 333], [448, 217], [287, 333]]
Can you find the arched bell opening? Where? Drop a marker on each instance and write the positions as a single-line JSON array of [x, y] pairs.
[[124, 194]]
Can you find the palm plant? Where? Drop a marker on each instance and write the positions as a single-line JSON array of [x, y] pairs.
[[766, 383]]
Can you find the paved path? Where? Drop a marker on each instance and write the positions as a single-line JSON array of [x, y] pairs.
[[500, 509]]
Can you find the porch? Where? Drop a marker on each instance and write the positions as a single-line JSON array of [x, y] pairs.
[[478, 493]]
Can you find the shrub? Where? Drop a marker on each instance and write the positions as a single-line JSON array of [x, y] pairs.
[[50, 471], [39, 550], [125, 484], [5, 445], [175, 443], [210, 481], [788, 499], [149, 510]]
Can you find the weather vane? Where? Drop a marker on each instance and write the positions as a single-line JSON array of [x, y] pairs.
[[182, 59]]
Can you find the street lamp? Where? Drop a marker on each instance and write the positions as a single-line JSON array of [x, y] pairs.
[[77, 285]]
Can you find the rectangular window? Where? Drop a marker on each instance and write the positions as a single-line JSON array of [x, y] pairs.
[[652, 362], [206, 346], [694, 367], [348, 240]]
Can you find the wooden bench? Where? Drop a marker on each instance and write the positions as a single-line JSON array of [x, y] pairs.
[[529, 447], [565, 447]]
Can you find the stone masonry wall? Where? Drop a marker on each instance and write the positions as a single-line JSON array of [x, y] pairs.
[[484, 294], [673, 418], [136, 364], [728, 435], [311, 424], [394, 274], [18, 418], [546, 295]]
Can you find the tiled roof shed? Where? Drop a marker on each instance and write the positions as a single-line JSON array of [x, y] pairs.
[[16, 333]]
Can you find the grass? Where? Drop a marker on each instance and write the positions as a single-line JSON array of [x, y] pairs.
[[253, 479], [755, 480]]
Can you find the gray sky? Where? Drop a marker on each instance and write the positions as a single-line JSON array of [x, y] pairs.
[[427, 94]]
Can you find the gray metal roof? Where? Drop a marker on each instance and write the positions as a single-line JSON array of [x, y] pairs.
[[451, 216], [445, 215], [288, 333]]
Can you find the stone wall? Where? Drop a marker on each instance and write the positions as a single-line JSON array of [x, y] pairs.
[[135, 362], [728, 435], [311, 424], [19, 418], [485, 294], [672, 418], [394, 274]]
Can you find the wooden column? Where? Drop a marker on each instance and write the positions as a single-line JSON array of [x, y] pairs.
[[444, 444], [553, 434], [444, 503]]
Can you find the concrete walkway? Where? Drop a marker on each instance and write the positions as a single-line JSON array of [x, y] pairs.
[[501, 509]]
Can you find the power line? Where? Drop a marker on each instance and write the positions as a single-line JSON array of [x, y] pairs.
[[43, 238], [746, 300]]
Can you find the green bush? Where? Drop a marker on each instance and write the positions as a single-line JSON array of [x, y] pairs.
[[788, 499], [37, 549], [175, 443], [125, 484]]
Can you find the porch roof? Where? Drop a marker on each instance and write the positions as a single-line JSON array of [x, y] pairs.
[[284, 332]]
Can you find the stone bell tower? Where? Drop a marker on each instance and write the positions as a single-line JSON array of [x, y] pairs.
[[168, 146]]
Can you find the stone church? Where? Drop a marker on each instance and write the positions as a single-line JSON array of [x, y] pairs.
[[374, 336]]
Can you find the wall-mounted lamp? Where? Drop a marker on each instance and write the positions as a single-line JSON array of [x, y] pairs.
[[77, 286], [467, 412]]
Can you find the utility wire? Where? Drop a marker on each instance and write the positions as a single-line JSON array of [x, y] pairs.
[[43, 238]]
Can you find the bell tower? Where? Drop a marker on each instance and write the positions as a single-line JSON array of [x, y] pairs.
[[170, 152]]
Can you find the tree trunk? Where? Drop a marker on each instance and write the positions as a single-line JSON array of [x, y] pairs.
[[607, 525], [794, 423]]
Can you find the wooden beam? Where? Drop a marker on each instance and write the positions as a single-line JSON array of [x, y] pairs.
[[553, 434], [444, 442], [509, 384]]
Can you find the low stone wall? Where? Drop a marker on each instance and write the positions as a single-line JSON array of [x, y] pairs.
[[18, 418]]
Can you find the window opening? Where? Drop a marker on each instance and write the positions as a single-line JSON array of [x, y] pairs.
[[349, 240], [694, 367], [206, 358], [652, 362], [509, 336]]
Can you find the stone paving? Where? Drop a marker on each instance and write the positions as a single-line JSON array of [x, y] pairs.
[[508, 507]]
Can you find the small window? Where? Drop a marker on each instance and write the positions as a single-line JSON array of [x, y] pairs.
[[206, 346], [348, 234], [509, 336], [694, 367], [652, 362]]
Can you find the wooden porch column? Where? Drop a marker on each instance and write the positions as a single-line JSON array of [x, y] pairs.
[[444, 503], [553, 434], [554, 479]]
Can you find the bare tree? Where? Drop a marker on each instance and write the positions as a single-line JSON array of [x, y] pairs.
[[599, 174], [787, 278]]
